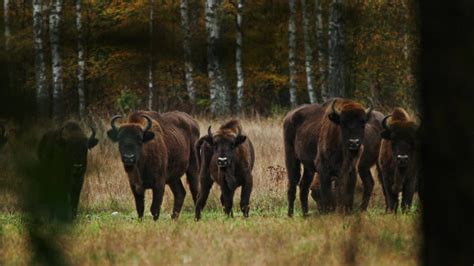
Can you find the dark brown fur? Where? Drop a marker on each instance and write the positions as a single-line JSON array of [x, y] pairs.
[[399, 138], [335, 162], [241, 155], [63, 154], [163, 159]]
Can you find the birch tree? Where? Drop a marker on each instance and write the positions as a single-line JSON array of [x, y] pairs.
[[292, 51], [42, 94], [218, 88], [308, 58], [336, 66], [57, 71], [80, 60], [321, 47], [6, 22], [238, 55], [150, 58], [188, 66]]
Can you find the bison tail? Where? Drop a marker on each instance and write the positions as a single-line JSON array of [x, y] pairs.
[[197, 150]]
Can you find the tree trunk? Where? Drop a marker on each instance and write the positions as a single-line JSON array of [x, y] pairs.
[[57, 71], [308, 51], [151, 62], [218, 88], [6, 21], [81, 62], [292, 51], [42, 95], [238, 56], [188, 66], [321, 51], [336, 84]]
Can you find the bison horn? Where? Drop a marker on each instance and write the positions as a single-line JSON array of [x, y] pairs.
[[384, 122], [209, 131], [93, 132], [371, 106], [149, 124], [112, 122], [333, 107]]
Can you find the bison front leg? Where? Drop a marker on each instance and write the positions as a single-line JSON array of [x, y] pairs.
[[327, 199], [348, 196], [206, 185], [75, 195], [245, 198], [179, 194], [139, 195], [227, 197], [158, 192], [368, 182], [407, 195]]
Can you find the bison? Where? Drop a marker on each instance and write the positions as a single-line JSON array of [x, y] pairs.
[[226, 157], [63, 154], [157, 149], [349, 141], [398, 159]]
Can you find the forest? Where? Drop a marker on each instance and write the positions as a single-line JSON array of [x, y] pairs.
[[209, 57]]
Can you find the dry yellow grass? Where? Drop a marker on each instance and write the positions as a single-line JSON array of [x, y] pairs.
[[267, 237]]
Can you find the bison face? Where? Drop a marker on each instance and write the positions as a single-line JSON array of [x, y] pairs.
[[76, 147], [224, 146], [130, 138], [402, 136], [352, 121]]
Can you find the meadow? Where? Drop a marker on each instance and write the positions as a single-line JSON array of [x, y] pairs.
[[107, 231]]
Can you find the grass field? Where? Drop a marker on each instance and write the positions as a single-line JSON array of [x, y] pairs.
[[108, 233]]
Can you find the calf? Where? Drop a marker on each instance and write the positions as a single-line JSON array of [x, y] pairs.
[[157, 149], [398, 159], [227, 158], [63, 154]]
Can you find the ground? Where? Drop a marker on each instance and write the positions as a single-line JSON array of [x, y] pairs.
[[107, 231]]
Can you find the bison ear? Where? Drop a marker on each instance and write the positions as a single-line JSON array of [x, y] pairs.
[[147, 136], [386, 134], [113, 135], [240, 139], [92, 143], [335, 118]]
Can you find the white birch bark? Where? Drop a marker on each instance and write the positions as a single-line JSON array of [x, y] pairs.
[[42, 94], [308, 58], [188, 66], [81, 62], [151, 61], [292, 51], [238, 56], [57, 71], [218, 90], [321, 51], [336, 67], [6, 22]]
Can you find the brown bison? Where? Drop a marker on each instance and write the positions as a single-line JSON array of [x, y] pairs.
[[227, 157], [398, 159], [349, 141], [157, 149], [63, 154]]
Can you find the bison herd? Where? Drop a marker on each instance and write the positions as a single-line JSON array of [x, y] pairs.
[[332, 143]]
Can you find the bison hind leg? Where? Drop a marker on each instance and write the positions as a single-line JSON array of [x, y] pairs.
[[179, 194]]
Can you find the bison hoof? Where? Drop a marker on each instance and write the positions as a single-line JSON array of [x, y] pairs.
[[175, 215], [155, 217]]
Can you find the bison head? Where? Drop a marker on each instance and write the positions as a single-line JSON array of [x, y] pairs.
[[224, 144], [76, 145], [131, 138], [351, 119]]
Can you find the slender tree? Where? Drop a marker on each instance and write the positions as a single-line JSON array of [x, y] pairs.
[[81, 62], [42, 94], [6, 21], [188, 66], [238, 55], [321, 50], [57, 71], [150, 58], [292, 51], [308, 51], [218, 89], [336, 66]]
